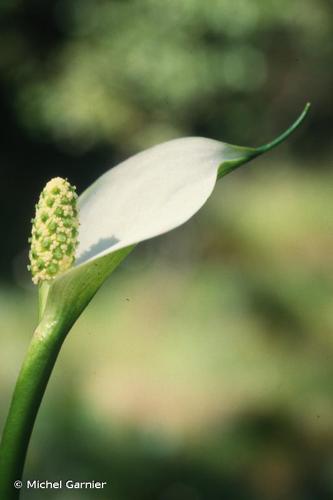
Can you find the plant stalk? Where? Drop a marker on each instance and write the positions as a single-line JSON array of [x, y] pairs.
[[29, 390], [66, 299]]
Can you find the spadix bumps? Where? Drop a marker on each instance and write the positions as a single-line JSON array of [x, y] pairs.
[[54, 231]]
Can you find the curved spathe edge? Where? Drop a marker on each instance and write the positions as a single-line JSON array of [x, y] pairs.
[[153, 234]]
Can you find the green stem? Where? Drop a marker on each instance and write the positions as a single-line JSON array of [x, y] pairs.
[[28, 393], [59, 306]]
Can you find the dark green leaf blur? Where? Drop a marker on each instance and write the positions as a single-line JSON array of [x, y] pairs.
[[203, 370]]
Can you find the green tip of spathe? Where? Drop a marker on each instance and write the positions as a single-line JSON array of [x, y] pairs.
[[284, 135], [243, 155]]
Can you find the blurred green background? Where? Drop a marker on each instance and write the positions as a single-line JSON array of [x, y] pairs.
[[203, 369]]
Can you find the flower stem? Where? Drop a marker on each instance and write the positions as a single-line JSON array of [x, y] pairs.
[[59, 307], [28, 394]]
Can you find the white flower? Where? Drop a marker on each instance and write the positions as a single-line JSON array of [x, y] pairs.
[[149, 194]]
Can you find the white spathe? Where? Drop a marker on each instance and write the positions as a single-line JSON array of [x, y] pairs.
[[149, 194]]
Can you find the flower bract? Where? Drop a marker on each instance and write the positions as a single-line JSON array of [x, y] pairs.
[[149, 194]]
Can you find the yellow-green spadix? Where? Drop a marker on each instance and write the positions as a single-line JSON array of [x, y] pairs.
[[54, 231]]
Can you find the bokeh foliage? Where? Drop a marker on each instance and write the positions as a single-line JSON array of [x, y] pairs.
[[203, 369], [136, 72]]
